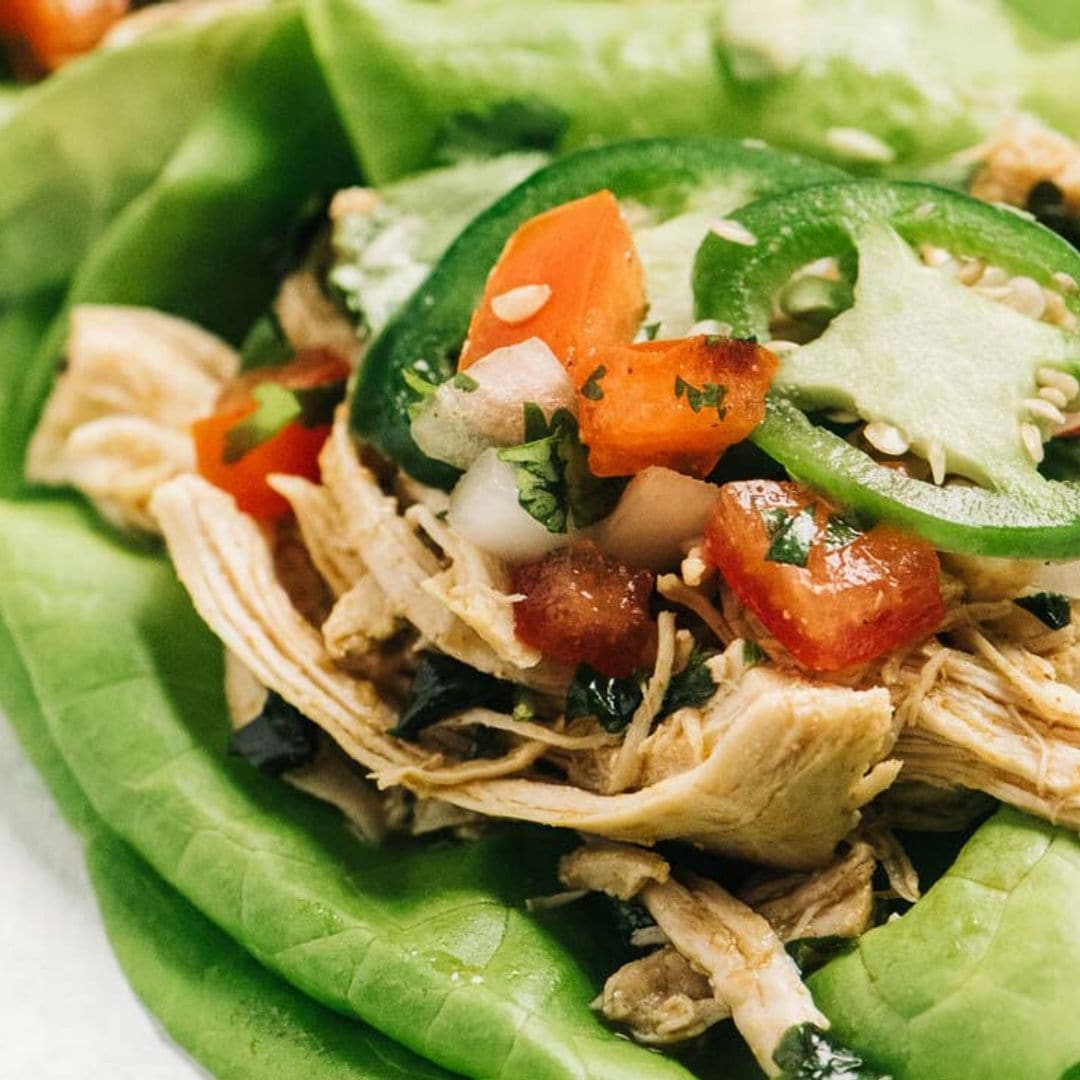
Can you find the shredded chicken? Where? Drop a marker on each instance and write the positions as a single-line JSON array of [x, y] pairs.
[[116, 424], [787, 762], [836, 901], [310, 320], [361, 620], [991, 715], [661, 999], [619, 870]]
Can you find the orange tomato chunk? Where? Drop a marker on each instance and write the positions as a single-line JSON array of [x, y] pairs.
[[56, 31], [856, 595], [570, 276], [294, 449], [679, 404], [580, 606]]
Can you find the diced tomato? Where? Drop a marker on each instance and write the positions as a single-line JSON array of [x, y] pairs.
[[679, 404], [56, 31], [859, 594], [584, 254], [294, 449], [580, 606]]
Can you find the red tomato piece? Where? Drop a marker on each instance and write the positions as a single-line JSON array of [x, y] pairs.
[[679, 404], [294, 449], [580, 606], [584, 254], [56, 31], [859, 594]]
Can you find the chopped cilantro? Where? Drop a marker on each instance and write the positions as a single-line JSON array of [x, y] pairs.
[[443, 686], [807, 1053], [592, 388], [421, 387], [612, 701], [650, 330], [278, 739], [275, 407], [753, 654], [554, 483], [791, 542], [839, 533], [1051, 609], [462, 381], [692, 686], [709, 395]]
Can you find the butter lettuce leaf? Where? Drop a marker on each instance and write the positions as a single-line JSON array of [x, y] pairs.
[[979, 978]]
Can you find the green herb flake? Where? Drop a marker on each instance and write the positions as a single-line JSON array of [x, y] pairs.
[[466, 383], [275, 408], [278, 739], [552, 473], [592, 388], [840, 533], [807, 1053], [690, 688], [1051, 609], [650, 330], [443, 686], [629, 917], [792, 541], [753, 654], [709, 395], [421, 388], [612, 701], [317, 403]]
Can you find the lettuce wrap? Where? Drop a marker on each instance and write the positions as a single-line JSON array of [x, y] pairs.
[[254, 902]]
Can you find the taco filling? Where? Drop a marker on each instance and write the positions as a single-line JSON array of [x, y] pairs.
[[682, 493]]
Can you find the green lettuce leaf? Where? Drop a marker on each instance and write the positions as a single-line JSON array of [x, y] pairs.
[[411, 77], [202, 241], [980, 977]]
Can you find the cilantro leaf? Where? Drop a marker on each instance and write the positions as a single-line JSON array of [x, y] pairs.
[[1051, 609], [464, 382], [421, 387], [791, 541], [275, 407], [443, 686], [709, 395], [753, 654], [839, 533], [592, 388], [554, 483], [693, 686], [807, 1053], [612, 701]]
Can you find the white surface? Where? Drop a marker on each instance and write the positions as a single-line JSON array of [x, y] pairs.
[[66, 1012]]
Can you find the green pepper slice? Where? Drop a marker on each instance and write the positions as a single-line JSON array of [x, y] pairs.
[[667, 176], [953, 371]]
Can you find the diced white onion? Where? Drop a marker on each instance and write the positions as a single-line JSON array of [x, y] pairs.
[[458, 424], [484, 508], [659, 512]]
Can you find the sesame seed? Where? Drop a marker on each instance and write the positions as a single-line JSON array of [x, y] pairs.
[[1032, 440], [517, 305], [1065, 282], [993, 277], [886, 438], [1043, 410], [933, 255], [853, 142], [1026, 296], [1062, 380], [971, 270], [1055, 396], [935, 457], [727, 229]]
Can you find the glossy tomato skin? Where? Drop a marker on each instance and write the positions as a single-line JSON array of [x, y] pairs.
[[294, 449], [581, 606], [56, 31], [859, 595]]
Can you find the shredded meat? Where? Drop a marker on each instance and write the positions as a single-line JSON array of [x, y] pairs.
[[116, 424], [616, 869]]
